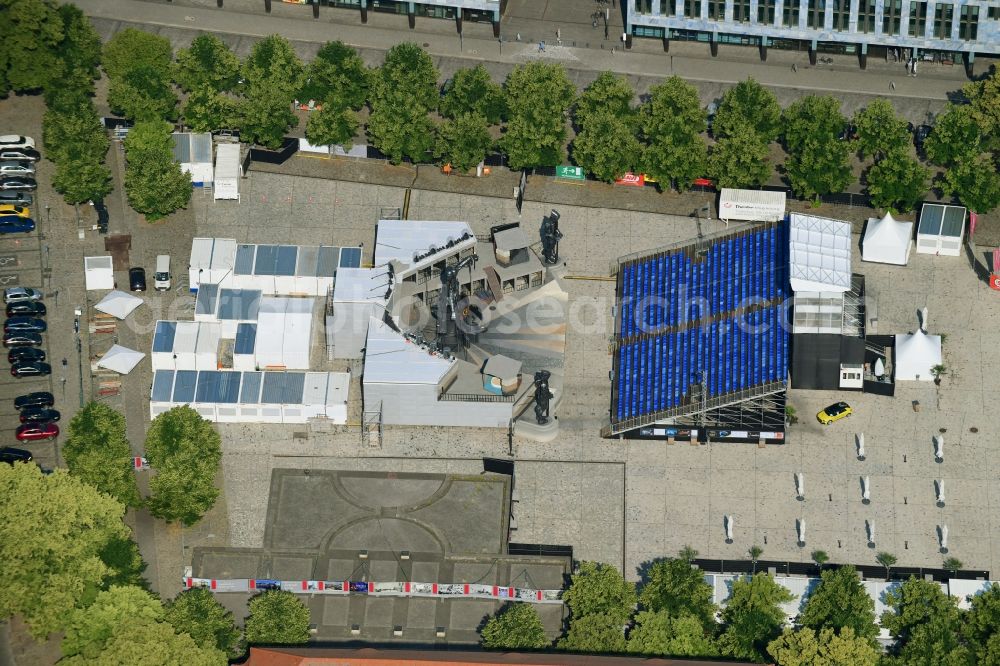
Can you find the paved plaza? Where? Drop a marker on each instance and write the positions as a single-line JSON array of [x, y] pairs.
[[629, 502]]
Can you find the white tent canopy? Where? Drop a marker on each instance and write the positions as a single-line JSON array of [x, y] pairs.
[[118, 304], [120, 359], [819, 254], [916, 354], [99, 273], [887, 241]]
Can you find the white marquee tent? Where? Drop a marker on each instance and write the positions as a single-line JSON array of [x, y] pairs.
[[120, 359], [916, 354], [118, 304], [887, 241]]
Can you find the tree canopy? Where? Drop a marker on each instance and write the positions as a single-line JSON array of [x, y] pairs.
[[594, 633], [273, 67], [840, 601], [472, 90], [154, 182], [981, 628], [819, 167], [672, 121], [607, 94], [91, 627], [984, 106], [206, 110], [403, 92], [675, 586], [897, 182], [662, 634], [337, 75], [955, 135], [752, 617], [333, 125], [33, 32], [740, 159], [806, 647], [607, 146], [813, 117], [464, 141], [131, 49], [514, 627], [97, 451], [53, 529], [538, 95], [208, 63], [79, 52], [277, 616], [748, 104], [880, 131], [196, 612], [598, 588], [974, 181]]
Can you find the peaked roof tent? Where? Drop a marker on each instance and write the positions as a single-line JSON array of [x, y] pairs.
[[887, 241], [819, 254], [118, 304], [916, 354]]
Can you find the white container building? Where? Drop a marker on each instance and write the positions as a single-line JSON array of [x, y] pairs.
[[227, 171]]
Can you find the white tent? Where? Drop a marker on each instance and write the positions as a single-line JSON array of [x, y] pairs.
[[118, 304], [99, 273], [916, 354], [887, 241], [120, 359]]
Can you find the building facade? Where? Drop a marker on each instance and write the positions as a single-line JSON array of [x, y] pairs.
[[953, 31], [478, 11]]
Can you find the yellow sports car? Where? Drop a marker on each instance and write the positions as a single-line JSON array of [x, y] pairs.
[[835, 412], [11, 209]]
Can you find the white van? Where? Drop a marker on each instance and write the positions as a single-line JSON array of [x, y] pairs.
[[161, 278]]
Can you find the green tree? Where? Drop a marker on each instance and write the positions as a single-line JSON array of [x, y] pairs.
[[53, 529], [813, 117], [80, 181], [675, 586], [803, 647], [207, 64], [515, 627], [597, 632], [125, 563], [73, 132], [598, 588], [97, 451], [154, 182], [185, 450], [80, 50], [897, 182], [607, 94], [752, 617], [464, 141], [981, 626], [917, 602], [90, 628], [974, 181], [840, 601], [955, 135], [606, 146], [273, 69], [740, 159], [672, 121], [407, 75], [206, 110], [659, 633], [337, 72], [748, 104], [880, 131], [196, 612], [984, 106], [818, 167], [277, 616], [142, 93], [333, 125], [471, 90], [538, 95], [820, 557], [402, 133], [32, 32], [132, 49], [264, 119]]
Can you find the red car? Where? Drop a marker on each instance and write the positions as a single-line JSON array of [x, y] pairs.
[[31, 432]]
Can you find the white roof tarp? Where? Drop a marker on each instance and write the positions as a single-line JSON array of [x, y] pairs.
[[118, 303], [751, 205], [819, 254], [887, 241], [99, 273], [120, 359], [416, 244], [392, 359], [916, 354]]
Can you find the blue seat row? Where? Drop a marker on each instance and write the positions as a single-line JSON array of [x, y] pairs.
[[673, 290], [727, 355]]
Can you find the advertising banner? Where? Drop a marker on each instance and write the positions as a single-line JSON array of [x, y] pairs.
[[570, 173], [632, 179]]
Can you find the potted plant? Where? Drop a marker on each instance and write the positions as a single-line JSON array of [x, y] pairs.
[[937, 371]]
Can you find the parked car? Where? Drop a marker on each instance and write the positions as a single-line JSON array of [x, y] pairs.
[[15, 141], [161, 278], [16, 168], [21, 339], [26, 154], [102, 215], [30, 369], [26, 308], [25, 354], [710, 112], [17, 183], [13, 224], [10, 455], [40, 415], [835, 412], [920, 135], [14, 209], [36, 399], [18, 294], [21, 198], [31, 324], [137, 279], [31, 432]]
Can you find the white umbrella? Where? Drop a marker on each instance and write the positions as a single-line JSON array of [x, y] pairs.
[[120, 359], [879, 367], [118, 304]]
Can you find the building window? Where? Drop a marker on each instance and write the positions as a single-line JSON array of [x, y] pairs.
[[643, 6], [943, 16], [692, 8], [717, 10], [918, 19], [814, 14], [866, 15], [842, 15], [667, 7], [647, 31], [790, 15], [993, 12], [968, 26], [765, 12], [741, 11], [891, 12]]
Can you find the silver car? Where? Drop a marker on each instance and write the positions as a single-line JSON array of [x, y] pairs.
[[13, 168], [16, 198], [18, 294]]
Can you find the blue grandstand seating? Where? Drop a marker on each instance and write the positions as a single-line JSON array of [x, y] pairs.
[[716, 318]]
